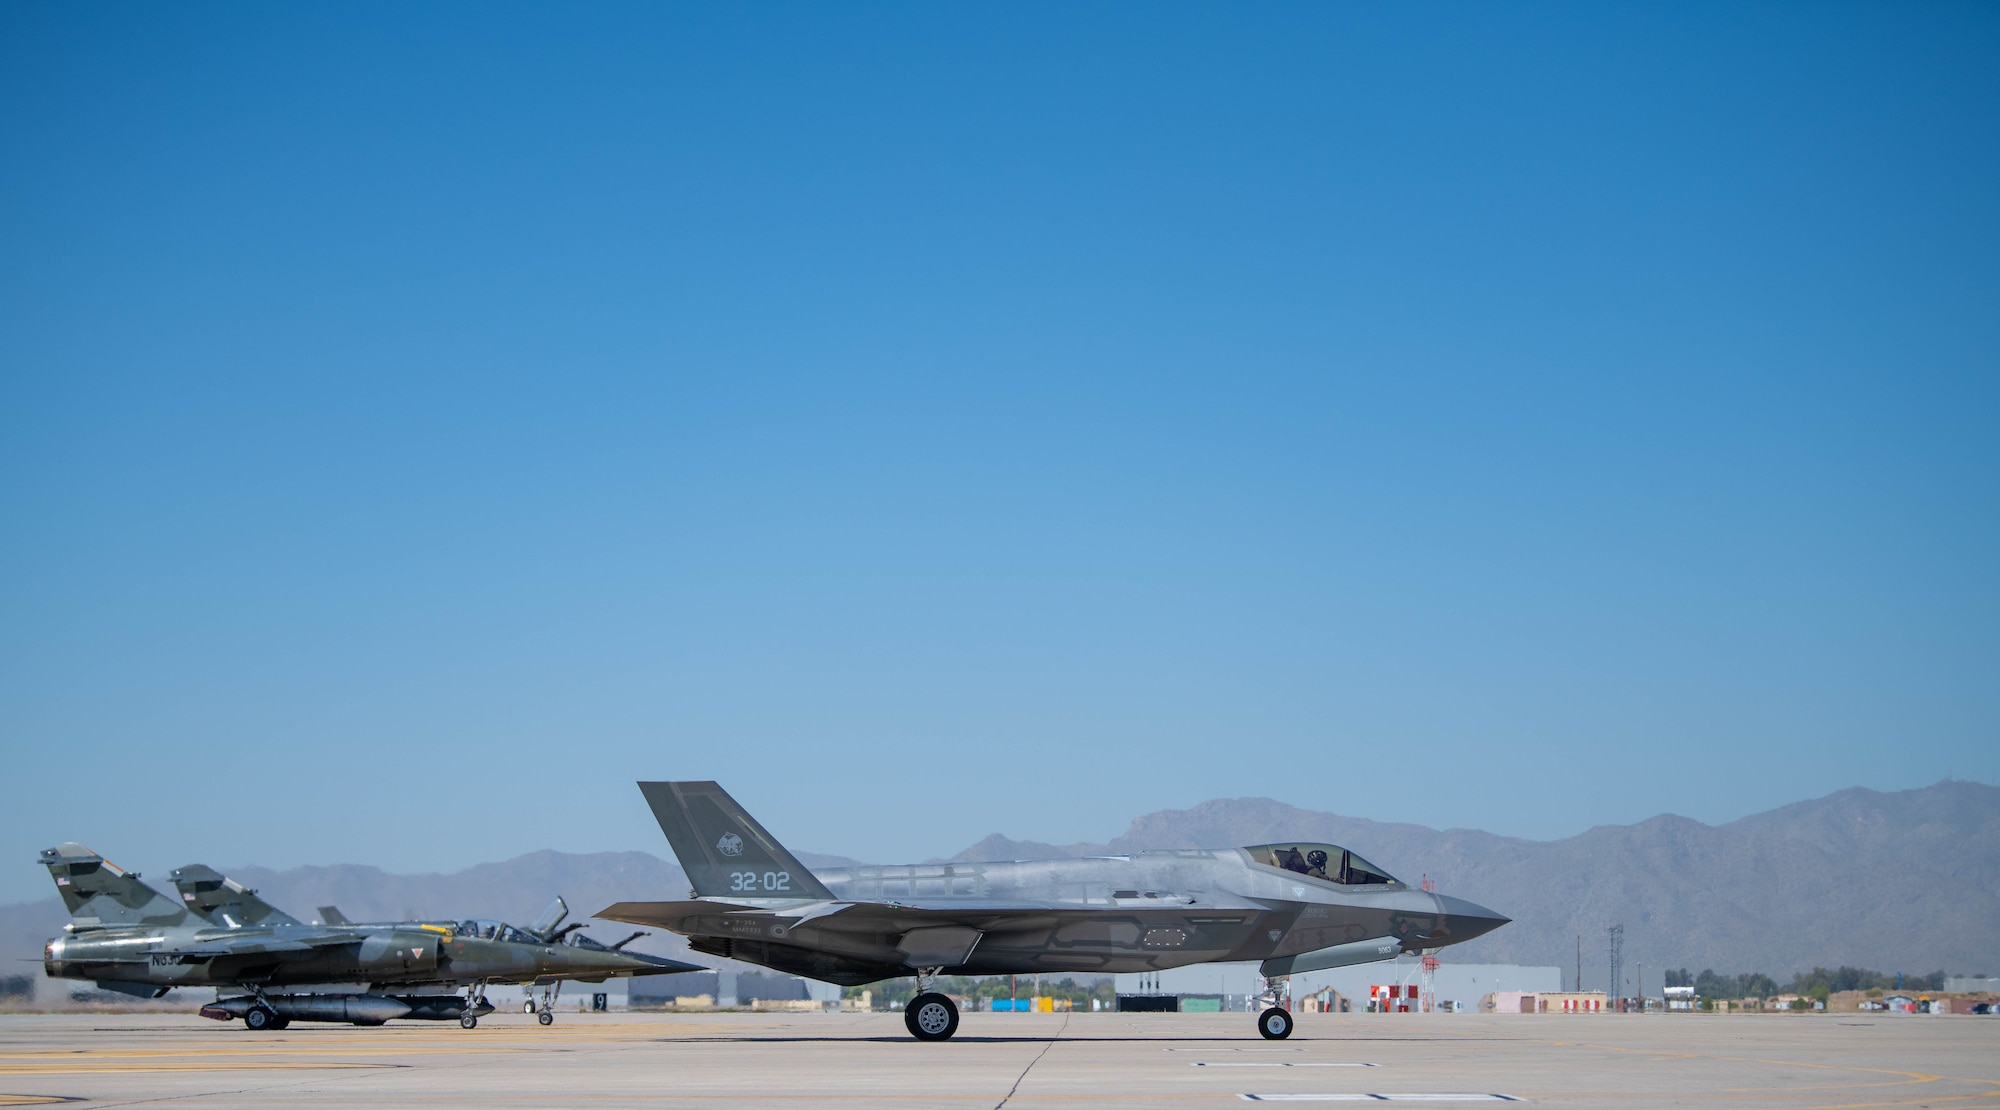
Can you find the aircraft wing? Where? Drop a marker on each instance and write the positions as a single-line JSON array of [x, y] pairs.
[[654, 965], [1176, 905], [660, 913], [880, 919], [860, 942], [637, 963], [917, 913], [293, 944]]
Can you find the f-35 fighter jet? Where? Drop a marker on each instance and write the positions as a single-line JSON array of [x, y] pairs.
[[129, 938], [1295, 907]]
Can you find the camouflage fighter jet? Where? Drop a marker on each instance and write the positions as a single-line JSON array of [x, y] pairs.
[[1294, 906], [544, 954], [129, 938]]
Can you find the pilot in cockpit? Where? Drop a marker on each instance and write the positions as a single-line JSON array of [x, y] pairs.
[[1312, 864]]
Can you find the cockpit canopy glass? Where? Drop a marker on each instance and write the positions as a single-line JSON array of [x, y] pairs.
[[488, 929], [551, 916], [1321, 861]]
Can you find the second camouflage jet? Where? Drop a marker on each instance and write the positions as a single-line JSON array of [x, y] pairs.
[[127, 937], [1294, 907]]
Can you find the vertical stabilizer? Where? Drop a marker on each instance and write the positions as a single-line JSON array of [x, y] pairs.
[[97, 892], [724, 851], [332, 915], [224, 901]]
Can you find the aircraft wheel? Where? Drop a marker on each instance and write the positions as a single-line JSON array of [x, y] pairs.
[[1275, 1024], [547, 1018], [280, 1023], [467, 1021], [931, 1017], [528, 1007], [259, 1019]]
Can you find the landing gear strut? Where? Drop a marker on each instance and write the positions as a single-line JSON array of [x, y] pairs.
[[1275, 1023], [930, 1016], [475, 1005], [545, 1010]]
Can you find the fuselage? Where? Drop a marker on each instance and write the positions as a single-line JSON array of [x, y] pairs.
[[1140, 912], [1227, 909], [283, 955]]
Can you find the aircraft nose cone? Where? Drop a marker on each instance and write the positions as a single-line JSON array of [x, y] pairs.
[[1468, 919]]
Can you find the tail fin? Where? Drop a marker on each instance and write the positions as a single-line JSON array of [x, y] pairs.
[[332, 915], [223, 900], [725, 852], [98, 892]]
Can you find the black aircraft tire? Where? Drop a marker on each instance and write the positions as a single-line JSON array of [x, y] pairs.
[[931, 1017], [257, 1019], [546, 1018], [467, 1021], [1275, 1024], [280, 1023]]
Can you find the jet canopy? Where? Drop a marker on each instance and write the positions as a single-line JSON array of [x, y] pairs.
[[488, 929], [1330, 862]]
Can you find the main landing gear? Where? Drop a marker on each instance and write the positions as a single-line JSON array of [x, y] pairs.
[[1275, 1023], [475, 1006], [262, 1016], [930, 1016], [545, 1011]]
